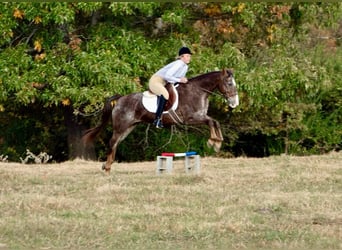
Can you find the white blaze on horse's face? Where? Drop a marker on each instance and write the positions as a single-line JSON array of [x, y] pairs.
[[229, 88], [234, 100]]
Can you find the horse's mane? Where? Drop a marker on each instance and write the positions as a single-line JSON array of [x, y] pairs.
[[200, 77]]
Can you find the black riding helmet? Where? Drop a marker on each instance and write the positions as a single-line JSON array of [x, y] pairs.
[[184, 50]]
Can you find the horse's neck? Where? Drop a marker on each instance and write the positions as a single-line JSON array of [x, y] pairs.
[[208, 82]]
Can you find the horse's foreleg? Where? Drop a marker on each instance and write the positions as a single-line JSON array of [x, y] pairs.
[[215, 140], [219, 136], [216, 137], [211, 140]]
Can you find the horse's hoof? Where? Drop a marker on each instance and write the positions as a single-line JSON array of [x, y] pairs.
[[107, 170], [217, 146], [217, 149], [210, 143]]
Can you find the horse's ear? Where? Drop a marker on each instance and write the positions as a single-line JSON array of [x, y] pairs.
[[224, 72], [230, 71]]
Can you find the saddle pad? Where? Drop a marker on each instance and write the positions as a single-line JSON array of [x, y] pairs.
[[149, 101]]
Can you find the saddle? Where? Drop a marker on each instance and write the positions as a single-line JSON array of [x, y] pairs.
[[149, 99]]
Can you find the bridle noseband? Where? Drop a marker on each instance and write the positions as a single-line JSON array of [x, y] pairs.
[[225, 94]]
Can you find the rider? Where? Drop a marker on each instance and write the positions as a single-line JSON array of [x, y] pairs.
[[173, 72]]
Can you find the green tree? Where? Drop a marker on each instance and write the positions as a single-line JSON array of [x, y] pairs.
[[60, 60]]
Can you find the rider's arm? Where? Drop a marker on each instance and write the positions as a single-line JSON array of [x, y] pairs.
[[176, 72]]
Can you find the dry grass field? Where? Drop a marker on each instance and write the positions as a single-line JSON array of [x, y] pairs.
[[280, 202]]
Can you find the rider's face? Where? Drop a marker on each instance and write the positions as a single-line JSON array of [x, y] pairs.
[[186, 58]]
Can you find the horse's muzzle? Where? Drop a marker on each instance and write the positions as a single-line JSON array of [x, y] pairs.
[[233, 101]]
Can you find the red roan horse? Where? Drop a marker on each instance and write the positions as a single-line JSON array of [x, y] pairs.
[[127, 111]]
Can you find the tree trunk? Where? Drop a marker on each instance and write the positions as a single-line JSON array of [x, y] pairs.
[[76, 148]]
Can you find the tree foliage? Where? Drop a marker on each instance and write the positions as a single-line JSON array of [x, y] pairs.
[[60, 60]]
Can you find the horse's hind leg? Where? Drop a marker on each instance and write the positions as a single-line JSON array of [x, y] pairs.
[[117, 137], [110, 154]]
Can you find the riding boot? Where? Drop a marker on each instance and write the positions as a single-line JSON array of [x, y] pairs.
[[158, 120]]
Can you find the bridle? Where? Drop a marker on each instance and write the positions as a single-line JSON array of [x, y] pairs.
[[213, 93], [225, 94]]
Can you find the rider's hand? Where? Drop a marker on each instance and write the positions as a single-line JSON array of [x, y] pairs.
[[183, 80]]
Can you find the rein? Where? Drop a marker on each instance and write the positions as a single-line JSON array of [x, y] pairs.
[[212, 92]]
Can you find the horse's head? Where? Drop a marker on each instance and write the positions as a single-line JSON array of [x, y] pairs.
[[228, 87]]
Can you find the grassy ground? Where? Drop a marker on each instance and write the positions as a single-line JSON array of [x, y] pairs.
[[272, 203]]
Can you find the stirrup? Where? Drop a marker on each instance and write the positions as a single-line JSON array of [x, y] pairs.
[[158, 123]]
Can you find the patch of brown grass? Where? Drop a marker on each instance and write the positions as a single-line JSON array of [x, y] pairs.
[[277, 202]]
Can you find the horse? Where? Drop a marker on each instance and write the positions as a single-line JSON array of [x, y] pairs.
[[128, 110]]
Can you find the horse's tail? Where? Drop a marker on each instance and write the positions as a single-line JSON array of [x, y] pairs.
[[90, 134]]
